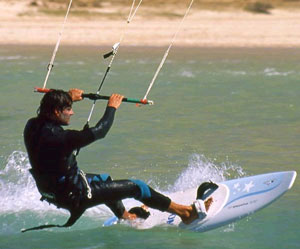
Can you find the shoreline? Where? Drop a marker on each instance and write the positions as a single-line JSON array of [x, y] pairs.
[[202, 28], [141, 47]]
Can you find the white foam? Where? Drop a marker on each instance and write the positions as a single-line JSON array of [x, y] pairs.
[[238, 73], [201, 169], [17, 187], [274, 72], [15, 57], [187, 74], [19, 193], [10, 58]]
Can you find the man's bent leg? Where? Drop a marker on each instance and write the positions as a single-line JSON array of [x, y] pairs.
[[95, 182], [112, 192], [109, 192]]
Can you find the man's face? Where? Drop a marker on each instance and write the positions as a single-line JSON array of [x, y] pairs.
[[64, 116]]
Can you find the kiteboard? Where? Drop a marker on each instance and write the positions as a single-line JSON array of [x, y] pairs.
[[232, 200]]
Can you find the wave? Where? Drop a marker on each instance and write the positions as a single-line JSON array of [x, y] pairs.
[[20, 199], [17, 187], [273, 72], [236, 73], [16, 57], [187, 74], [201, 169]]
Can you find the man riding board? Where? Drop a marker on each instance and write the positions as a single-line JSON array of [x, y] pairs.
[[52, 155]]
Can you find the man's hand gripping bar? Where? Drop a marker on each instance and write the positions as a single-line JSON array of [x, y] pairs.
[[94, 96]]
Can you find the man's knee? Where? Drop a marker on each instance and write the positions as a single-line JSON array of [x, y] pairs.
[[144, 189]]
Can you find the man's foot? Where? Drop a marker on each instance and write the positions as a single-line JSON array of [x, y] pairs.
[[208, 203], [141, 212], [136, 212], [194, 214], [128, 216]]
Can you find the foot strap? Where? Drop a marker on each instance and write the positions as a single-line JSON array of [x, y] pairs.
[[206, 188], [200, 208]]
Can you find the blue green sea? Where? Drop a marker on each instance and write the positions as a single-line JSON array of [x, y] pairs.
[[219, 113]]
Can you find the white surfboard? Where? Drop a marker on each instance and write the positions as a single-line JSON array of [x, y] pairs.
[[232, 200]]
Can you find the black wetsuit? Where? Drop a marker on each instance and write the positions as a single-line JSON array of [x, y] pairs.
[[51, 151]]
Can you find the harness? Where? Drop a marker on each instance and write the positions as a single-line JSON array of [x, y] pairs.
[[72, 196]]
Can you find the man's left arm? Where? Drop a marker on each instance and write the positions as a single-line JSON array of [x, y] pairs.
[[78, 139]]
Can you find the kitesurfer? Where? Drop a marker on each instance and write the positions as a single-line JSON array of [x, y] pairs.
[[52, 156]]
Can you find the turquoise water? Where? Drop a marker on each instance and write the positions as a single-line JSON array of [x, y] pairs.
[[218, 114]]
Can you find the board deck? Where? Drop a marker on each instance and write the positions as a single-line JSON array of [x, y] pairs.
[[232, 200]]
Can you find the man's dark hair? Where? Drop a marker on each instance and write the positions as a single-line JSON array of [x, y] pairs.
[[54, 100]]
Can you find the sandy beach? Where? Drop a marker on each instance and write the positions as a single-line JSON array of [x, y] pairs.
[[202, 28]]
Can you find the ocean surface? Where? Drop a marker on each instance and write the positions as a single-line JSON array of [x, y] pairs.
[[218, 114]]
